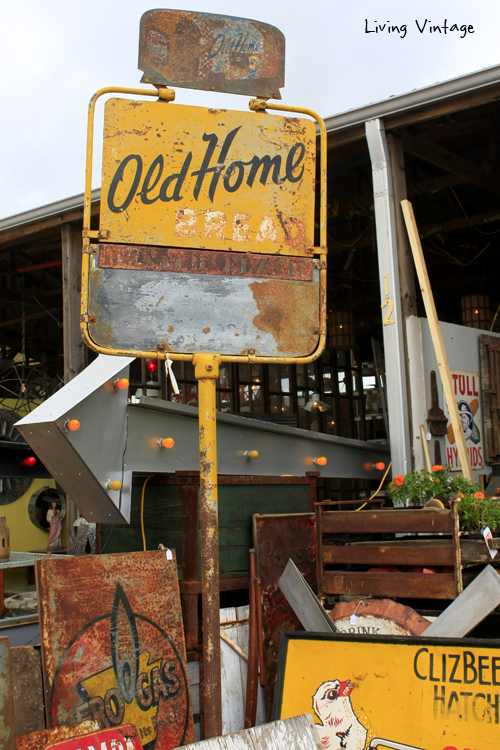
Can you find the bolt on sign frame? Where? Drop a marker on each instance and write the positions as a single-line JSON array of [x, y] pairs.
[[213, 236]]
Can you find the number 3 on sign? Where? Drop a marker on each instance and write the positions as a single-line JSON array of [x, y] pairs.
[[387, 320]]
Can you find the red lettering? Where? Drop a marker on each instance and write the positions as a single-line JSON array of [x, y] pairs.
[[473, 458], [480, 455], [474, 392], [455, 453], [455, 382], [449, 456], [461, 384], [469, 392]]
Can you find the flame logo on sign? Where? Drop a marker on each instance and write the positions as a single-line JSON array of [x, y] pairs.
[[124, 645]]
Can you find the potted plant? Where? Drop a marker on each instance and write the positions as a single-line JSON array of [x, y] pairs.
[[475, 509]]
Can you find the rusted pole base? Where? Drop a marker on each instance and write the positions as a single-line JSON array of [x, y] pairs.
[[206, 372]]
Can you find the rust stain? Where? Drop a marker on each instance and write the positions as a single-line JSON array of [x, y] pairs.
[[160, 300], [290, 312], [206, 330], [170, 329]]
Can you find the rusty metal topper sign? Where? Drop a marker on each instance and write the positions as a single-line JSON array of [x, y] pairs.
[[208, 217], [211, 52]]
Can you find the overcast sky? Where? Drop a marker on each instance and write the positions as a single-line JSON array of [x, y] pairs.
[[54, 54]]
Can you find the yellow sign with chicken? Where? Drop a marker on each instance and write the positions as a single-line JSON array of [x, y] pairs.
[[383, 693], [183, 176]]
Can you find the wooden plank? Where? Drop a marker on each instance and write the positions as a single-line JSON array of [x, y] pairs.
[[403, 585], [7, 731], [380, 554], [296, 733], [437, 337], [385, 521], [27, 689]]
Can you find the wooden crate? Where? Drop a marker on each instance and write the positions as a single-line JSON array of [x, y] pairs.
[[349, 543]]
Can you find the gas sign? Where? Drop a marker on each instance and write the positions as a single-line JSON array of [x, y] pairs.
[[191, 177]]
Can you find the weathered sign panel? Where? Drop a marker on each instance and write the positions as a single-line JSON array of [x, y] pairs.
[[277, 538], [113, 646], [466, 387], [211, 52], [181, 176], [389, 692], [7, 729], [203, 301], [117, 738]]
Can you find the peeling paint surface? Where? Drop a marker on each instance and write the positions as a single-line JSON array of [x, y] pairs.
[[7, 733], [113, 645], [211, 52], [140, 309]]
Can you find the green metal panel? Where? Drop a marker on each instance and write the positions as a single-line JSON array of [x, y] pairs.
[[237, 504]]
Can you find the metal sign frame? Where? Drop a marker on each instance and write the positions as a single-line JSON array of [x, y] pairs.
[[91, 237]]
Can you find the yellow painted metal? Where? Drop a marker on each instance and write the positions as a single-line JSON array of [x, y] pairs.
[[258, 106], [206, 370], [212, 179], [412, 693]]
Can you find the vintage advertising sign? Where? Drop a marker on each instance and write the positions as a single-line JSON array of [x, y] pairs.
[[113, 645], [468, 395], [392, 693], [118, 738], [181, 176], [211, 52]]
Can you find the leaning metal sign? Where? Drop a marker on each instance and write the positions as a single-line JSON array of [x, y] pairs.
[[206, 234]]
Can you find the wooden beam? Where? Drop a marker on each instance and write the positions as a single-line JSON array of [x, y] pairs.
[[17, 321], [437, 337], [449, 162]]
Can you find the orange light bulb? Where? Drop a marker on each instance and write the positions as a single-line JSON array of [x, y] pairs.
[[72, 424], [121, 384], [166, 442], [321, 461], [380, 466], [115, 485]]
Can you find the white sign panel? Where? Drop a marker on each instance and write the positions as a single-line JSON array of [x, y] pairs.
[[467, 394]]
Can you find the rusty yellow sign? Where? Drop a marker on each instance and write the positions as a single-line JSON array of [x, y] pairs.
[[368, 693], [183, 176]]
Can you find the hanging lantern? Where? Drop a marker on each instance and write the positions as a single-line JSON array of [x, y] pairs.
[[341, 329], [476, 311]]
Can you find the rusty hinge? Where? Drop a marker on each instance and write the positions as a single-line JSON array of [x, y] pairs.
[[90, 249], [319, 264], [318, 250], [85, 318], [92, 234]]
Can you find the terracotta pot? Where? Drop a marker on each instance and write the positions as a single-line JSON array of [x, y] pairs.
[[4, 539]]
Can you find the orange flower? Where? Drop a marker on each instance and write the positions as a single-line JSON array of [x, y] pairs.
[[460, 494], [437, 467], [400, 480], [479, 495]]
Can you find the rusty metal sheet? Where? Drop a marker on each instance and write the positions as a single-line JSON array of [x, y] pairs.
[[144, 258], [7, 728], [183, 176], [278, 538], [190, 312], [117, 738], [38, 740], [211, 52], [113, 645]]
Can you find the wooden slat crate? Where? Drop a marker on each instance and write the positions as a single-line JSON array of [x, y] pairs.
[[349, 543]]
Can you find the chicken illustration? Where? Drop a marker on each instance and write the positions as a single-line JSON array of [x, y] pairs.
[[340, 728]]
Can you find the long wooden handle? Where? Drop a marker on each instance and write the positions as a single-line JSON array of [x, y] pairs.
[[437, 337]]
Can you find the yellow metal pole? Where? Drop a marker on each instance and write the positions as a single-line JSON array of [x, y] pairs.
[[206, 370]]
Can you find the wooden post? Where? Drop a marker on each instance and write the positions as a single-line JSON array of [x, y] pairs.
[[437, 337], [74, 349]]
